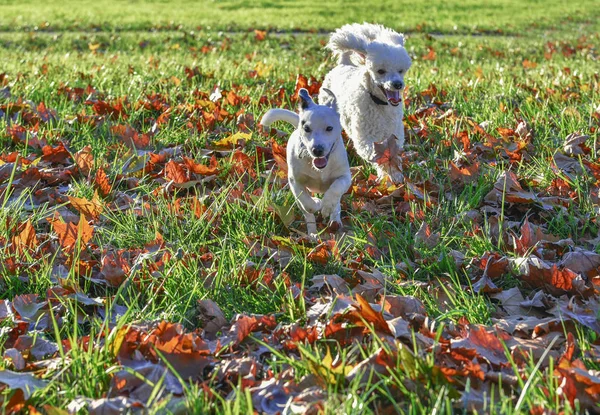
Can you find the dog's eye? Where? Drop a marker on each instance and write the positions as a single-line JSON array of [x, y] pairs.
[[307, 129], [330, 128], [381, 71], [401, 71]]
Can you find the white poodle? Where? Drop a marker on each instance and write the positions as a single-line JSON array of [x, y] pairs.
[[316, 157], [368, 83]]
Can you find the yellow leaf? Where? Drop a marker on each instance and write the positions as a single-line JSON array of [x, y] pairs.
[[232, 140], [93, 46], [326, 369]]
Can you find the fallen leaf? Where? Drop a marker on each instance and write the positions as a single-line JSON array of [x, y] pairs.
[[23, 381]]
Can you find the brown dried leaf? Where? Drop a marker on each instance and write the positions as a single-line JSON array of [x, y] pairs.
[[84, 160]]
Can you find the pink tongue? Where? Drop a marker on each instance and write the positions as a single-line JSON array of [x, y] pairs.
[[320, 162], [393, 96]]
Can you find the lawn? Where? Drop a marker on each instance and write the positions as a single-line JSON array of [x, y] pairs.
[[152, 259]]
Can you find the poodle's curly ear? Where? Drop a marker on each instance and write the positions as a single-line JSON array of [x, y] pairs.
[[329, 99], [305, 99]]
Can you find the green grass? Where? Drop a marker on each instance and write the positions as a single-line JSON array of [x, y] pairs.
[[502, 16], [498, 64]]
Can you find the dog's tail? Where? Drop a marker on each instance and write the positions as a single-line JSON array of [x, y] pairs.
[[345, 41], [355, 37], [280, 115]]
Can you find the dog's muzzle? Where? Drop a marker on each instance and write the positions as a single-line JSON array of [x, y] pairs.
[[392, 95]]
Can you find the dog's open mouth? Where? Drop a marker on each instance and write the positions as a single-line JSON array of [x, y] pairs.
[[320, 162], [393, 96]]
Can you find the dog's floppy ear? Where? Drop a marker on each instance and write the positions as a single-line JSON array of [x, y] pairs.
[[305, 99], [329, 99]]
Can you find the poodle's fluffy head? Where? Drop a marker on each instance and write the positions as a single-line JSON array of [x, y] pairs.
[[386, 65], [319, 127]]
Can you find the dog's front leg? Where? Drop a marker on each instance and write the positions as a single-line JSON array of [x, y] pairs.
[[308, 204], [331, 199]]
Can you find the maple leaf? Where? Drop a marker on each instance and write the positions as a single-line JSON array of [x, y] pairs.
[[70, 233], [430, 55], [582, 262], [312, 85], [232, 140], [541, 274], [387, 155], [484, 344], [116, 110], [243, 164], [91, 209], [320, 254], [212, 317], [335, 284]]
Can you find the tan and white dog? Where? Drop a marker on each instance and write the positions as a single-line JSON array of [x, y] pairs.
[[316, 157], [368, 82]]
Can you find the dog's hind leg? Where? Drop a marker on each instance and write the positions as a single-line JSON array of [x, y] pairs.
[[308, 204]]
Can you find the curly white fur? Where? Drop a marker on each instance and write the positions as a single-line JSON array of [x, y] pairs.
[[368, 83]]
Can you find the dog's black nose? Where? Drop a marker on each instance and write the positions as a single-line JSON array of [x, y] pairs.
[[398, 84], [318, 151]]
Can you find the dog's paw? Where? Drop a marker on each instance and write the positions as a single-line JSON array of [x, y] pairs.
[[318, 204], [311, 205], [330, 209]]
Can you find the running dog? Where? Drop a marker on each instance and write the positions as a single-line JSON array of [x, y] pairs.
[[368, 83], [316, 157]]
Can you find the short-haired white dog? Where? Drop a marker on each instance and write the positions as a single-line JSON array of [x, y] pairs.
[[316, 157], [368, 83]]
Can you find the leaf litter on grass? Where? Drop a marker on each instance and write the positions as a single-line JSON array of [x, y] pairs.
[[359, 324]]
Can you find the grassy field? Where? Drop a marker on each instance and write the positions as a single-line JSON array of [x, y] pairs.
[[151, 257]]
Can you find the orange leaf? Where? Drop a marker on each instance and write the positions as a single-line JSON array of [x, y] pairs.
[[102, 183], [371, 316], [69, 233], [91, 209], [175, 172], [27, 238], [280, 156], [430, 56], [84, 160], [319, 255], [311, 85], [260, 35], [201, 169], [58, 154]]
